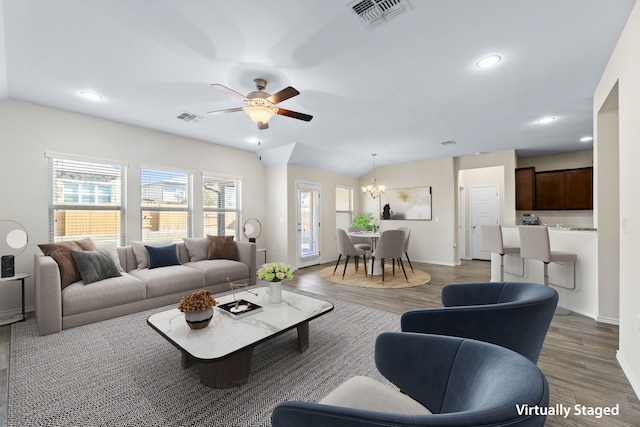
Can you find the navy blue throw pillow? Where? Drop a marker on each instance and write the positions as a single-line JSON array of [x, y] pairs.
[[162, 256]]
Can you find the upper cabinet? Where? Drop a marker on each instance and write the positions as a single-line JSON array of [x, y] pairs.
[[554, 190]]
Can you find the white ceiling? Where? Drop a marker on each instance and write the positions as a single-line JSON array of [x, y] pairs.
[[398, 90]]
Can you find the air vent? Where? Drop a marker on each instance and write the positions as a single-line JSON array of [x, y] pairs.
[[373, 13], [450, 142], [188, 117]]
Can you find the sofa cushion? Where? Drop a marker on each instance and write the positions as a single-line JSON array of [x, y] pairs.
[[170, 280], [162, 256], [370, 395], [95, 265], [140, 251], [77, 298], [61, 253], [112, 249], [217, 270], [221, 247], [198, 248]]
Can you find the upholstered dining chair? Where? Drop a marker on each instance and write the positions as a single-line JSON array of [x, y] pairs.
[[515, 315], [363, 242], [440, 380], [407, 234], [390, 246], [346, 247]]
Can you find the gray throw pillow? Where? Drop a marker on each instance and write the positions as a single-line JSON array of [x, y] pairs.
[[95, 265], [197, 247]]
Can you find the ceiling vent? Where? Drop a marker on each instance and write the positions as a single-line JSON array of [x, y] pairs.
[[188, 117], [373, 13], [450, 142]]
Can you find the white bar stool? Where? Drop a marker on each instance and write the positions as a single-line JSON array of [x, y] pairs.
[[534, 244], [492, 242]]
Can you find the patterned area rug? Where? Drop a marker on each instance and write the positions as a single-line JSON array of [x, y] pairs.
[[122, 373], [352, 278]]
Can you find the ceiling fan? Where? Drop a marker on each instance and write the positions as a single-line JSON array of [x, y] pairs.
[[261, 106]]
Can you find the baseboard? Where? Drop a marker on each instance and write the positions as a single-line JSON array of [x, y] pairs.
[[608, 320], [635, 382]]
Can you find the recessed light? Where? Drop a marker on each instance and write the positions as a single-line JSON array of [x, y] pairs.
[[488, 61], [545, 120], [91, 96], [586, 139]]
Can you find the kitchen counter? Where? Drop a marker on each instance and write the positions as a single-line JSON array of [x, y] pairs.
[[582, 242]]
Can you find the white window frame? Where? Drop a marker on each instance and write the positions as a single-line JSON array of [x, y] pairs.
[[210, 210]]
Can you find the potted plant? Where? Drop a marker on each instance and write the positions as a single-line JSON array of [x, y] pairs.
[[197, 308], [363, 220], [274, 273]]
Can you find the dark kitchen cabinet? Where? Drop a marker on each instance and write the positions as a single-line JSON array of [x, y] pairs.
[[550, 190], [525, 189], [579, 188]]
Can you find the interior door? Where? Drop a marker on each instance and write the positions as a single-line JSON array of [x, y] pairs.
[[308, 212], [484, 209]]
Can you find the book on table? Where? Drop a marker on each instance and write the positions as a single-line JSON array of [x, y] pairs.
[[240, 308]]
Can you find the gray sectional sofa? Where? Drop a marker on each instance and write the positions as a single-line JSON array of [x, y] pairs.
[[135, 289]]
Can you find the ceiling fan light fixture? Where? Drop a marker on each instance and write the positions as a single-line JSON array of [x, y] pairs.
[[260, 115]]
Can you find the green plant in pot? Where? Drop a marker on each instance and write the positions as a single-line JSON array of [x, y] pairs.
[[363, 220]]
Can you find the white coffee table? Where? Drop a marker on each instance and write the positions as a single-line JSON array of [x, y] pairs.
[[223, 349]]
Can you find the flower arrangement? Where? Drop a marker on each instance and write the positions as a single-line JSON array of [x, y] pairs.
[[197, 301], [275, 272], [375, 224]]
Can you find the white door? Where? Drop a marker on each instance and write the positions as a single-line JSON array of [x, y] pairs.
[[462, 218], [308, 212], [484, 209]]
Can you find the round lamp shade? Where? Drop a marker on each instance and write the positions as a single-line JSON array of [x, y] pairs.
[[13, 237], [252, 228]]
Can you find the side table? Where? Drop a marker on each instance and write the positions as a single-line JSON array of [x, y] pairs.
[[20, 277]]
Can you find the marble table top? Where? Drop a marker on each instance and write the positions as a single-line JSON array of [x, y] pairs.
[[226, 335]]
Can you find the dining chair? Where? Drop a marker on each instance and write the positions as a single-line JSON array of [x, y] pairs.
[[390, 246], [346, 247], [363, 243], [407, 234]]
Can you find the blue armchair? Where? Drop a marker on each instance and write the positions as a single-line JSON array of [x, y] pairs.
[[444, 381], [515, 315]]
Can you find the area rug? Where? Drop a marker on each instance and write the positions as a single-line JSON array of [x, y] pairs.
[[352, 278], [122, 373]]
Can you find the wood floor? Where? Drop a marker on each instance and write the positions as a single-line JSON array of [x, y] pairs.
[[578, 357]]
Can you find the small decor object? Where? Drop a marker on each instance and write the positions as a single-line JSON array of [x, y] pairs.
[[13, 242], [375, 225], [275, 273], [240, 308], [197, 308], [386, 212]]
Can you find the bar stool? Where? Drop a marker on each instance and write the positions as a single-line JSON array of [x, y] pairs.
[[534, 244], [492, 242]]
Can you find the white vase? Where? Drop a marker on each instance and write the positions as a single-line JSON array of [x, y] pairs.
[[199, 319], [275, 292]]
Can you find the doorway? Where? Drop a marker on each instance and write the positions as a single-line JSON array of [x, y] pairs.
[[308, 221], [484, 209]]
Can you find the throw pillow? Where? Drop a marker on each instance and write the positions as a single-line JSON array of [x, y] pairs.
[[162, 256], [139, 250], [112, 249], [95, 265], [221, 247], [61, 253], [198, 248]]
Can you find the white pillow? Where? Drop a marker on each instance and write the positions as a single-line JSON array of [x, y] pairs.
[[197, 247], [111, 248], [142, 258]]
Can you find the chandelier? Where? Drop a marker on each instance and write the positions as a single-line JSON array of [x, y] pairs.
[[374, 189]]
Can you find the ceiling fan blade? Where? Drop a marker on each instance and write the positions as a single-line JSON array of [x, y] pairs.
[[229, 110], [283, 95], [294, 114], [229, 91], [263, 126]]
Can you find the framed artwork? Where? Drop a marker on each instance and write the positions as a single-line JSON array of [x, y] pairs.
[[412, 203]]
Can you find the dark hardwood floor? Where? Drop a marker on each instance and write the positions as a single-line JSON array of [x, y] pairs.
[[578, 357]]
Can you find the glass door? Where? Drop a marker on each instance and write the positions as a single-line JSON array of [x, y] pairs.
[[308, 212]]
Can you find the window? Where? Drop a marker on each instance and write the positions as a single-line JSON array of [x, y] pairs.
[[165, 204], [344, 207], [86, 199], [221, 205]]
